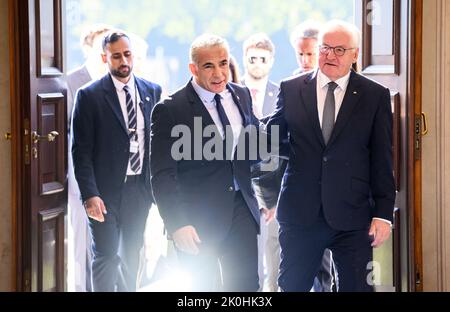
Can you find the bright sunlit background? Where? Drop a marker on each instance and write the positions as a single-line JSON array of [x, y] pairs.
[[169, 26]]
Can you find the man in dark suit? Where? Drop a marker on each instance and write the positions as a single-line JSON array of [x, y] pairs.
[[304, 42], [338, 189], [111, 139], [304, 39], [259, 53], [92, 69], [207, 203]]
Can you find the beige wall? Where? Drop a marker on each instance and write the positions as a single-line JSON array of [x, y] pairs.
[[436, 146], [5, 155]]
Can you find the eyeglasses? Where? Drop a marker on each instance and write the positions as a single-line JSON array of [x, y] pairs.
[[253, 59], [339, 51]]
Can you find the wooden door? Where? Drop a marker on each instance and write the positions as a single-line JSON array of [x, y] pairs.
[[387, 56], [39, 108]]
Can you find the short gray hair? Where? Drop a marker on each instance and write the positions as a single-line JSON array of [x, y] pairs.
[[308, 29], [206, 41], [339, 25]]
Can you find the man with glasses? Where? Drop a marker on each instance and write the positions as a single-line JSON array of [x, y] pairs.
[[338, 189], [259, 54], [304, 41]]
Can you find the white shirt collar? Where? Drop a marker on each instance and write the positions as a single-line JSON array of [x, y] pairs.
[[119, 84], [206, 96], [341, 82]]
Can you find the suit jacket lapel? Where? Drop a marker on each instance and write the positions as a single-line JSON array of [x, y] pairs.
[[308, 93], [198, 107], [351, 97], [269, 100], [113, 100], [237, 101], [146, 101]]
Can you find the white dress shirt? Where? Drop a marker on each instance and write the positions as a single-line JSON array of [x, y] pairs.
[[232, 111], [260, 86], [140, 117], [322, 89]]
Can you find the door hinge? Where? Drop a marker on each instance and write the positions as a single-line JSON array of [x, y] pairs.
[[417, 136], [26, 141]]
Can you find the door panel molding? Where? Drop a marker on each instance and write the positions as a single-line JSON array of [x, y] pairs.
[[50, 112], [49, 54], [376, 61], [396, 137], [51, 250]]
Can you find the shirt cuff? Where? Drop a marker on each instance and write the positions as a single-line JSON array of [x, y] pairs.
[[387, 221]]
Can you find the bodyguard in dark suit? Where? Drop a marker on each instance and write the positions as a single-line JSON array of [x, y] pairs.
[[259, 57], [207, 204], [111, 139], [338, 189], [92, 69]]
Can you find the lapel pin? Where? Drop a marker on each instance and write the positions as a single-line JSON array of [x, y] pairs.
[[147, 98]]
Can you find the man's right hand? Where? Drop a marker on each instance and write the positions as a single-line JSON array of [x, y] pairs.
[[186, 239], [95, 208]]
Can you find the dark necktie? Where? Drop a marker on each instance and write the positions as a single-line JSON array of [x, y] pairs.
[[328, 112], [225, 122], [222, 115], [135, 160]]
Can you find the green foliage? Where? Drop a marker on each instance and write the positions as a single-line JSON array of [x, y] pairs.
[[234, 19]]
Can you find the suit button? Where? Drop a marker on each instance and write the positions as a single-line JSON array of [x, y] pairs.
[[230, 189], [325, 158]]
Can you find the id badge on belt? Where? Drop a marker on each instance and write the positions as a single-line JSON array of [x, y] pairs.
[[134, 147]]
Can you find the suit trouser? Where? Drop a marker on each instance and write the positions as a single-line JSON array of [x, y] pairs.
[[302, 249], [268, 247], [234, 259], [118, 240], [326, 277], [80, 243]]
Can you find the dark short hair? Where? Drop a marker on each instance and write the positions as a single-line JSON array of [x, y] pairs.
[[112, 37]]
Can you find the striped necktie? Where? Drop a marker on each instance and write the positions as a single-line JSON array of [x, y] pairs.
[[135, 160]]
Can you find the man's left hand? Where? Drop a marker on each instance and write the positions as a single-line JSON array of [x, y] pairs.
[[380, 230]]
